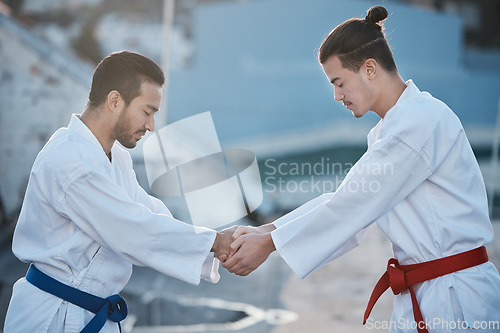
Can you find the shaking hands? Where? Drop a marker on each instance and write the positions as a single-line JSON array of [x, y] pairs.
[[243, 249], [222, 243]]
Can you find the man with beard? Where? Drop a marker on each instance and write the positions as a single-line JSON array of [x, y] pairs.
[[85, 220]]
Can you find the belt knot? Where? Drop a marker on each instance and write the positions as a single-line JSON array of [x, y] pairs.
[[113, 307], [396, 277], [401, 277], [117, 308]]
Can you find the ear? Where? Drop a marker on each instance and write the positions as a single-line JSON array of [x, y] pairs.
[[370, 67], [115, 101]]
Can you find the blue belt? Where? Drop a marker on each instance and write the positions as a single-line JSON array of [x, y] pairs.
[[113, 308]]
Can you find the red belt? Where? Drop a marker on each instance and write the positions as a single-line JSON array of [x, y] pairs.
[[403, 277]]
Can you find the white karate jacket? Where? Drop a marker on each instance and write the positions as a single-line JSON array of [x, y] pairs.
[[85, 222], [424, 189]]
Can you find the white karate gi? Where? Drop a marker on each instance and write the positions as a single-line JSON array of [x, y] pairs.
[[427, 195], [84, 222]]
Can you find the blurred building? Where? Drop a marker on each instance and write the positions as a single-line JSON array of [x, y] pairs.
[[251, 63], [40, 87], [254, 67], [481, 18]]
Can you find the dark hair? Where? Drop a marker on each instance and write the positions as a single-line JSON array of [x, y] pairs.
[[124, 72], [356, 40]]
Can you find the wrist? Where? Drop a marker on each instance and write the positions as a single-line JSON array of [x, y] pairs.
[[269, 242], [266, 228], [215, 245]]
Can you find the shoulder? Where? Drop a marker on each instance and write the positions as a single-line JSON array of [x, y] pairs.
[[421, 118], [67, 157]]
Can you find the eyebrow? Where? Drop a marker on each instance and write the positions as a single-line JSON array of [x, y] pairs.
[[153, 108], [334, 79]]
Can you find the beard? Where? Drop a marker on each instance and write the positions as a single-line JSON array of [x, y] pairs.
[[123, 132]]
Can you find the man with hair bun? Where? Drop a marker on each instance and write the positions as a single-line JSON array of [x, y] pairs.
[[432, 206]]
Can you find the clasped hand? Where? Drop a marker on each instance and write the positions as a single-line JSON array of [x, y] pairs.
[[242, 249]]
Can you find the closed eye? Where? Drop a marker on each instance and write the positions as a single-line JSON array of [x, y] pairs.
[[335, 81]]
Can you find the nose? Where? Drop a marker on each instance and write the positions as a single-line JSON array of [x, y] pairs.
[[337, 94], [150, 124]]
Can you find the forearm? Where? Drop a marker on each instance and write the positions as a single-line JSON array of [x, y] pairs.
[[303, 209]]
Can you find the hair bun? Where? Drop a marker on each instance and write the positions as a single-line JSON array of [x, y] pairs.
[[376, 14]]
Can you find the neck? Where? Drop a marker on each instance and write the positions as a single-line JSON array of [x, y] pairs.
[[93, 118], [391, 89]]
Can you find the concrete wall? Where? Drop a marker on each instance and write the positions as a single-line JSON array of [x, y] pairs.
[[39, 90]]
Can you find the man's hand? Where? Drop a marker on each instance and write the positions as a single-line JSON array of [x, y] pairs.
[[244, 230], [248, 252], [222, 243]]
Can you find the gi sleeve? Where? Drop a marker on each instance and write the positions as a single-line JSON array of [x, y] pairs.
[[210, 270], [303, 209], [108, 215], [309, 208], [385, 175], [153, 204]]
